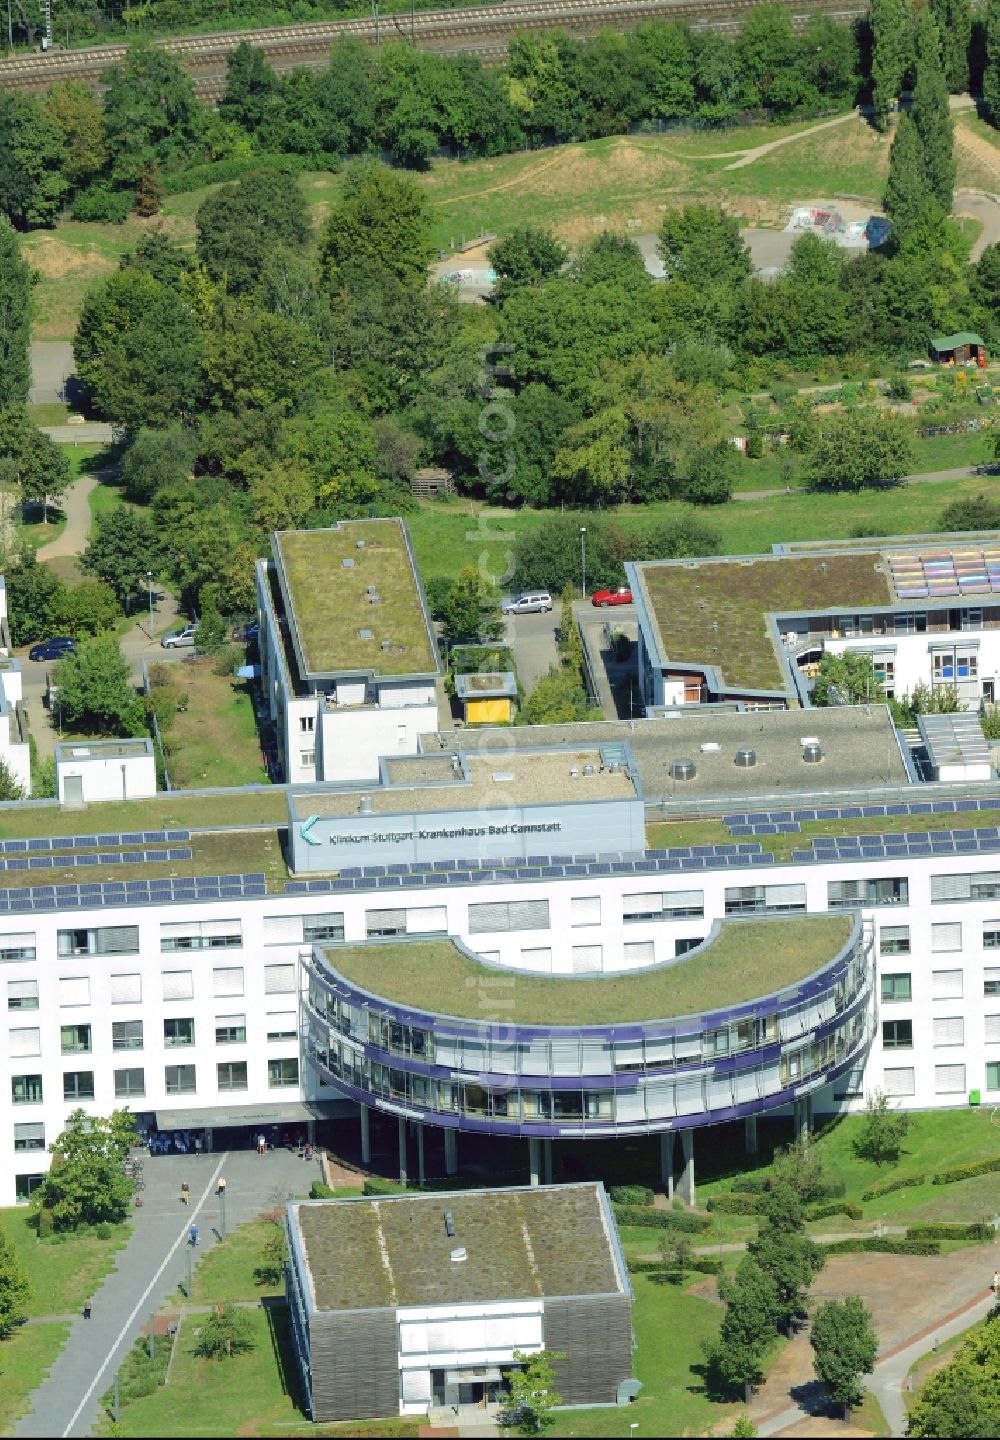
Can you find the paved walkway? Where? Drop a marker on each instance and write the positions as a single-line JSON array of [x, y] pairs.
[[152, 1266], [91, 432], [927, 477], [76, 508]]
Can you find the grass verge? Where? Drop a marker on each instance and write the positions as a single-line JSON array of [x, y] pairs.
[[62, 1271], [214, 740], [25, 1360], [227, 1272]]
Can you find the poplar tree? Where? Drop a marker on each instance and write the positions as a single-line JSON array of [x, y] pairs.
[[15, 319], [991, 72], [907, 191], [954, 23], [932, 114], [892, 54]]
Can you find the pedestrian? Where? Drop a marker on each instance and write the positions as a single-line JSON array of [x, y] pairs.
[[261, 1144], [88, 1305], [222, 1185], [995, 1284], [194, 1235], [185, 1193]]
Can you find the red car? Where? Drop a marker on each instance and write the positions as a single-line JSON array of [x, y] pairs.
[[621, 596]]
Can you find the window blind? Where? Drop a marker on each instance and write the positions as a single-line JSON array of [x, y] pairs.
[[279, 979], [24, 1041], [74, 990], [899, 1082], [539, 957], [587, 959], [126, 989], [640, 952], [949, 1030], [648, 904], [585, 910], [283, 929], [178, 984], [992, 1031], [949, 1079], [427, 920], [951, 887], [946, 984], [686, 902], [228, 981], [118, 940], [946, 937], [22, 989]]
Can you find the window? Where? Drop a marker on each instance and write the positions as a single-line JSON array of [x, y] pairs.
[[640, 952], [282, 1072], [279, 979], [24, 1042], [228, 981], [946, 984], [951, 665], [299, 929], [129, 1083], [647, 906], [230, 1029], [78, 1084], [894, 940], [897, 1034], [282, 1025], [899, 1082], [993, 1074], [588, 959], [945, 938], [29, 1137], [949, 1030], [991, 1032], [178, 985], [26, 1089], [126, 1034], [22, 994], [17, 947], [75, 1039], [106, 940], [984, 886], [774, 899], [893, 890], [991, 935], [535, 957], [585, 910], [200, 935], [509, 915], [949, 1079], [179, 1032], [126, 989], [307, 758], [681, 947], [232, 1074], [896, 987], [24, 1185], [179, 1079], [307, 724], [427, 920], [74, 990], [323, 927], [991, 981]]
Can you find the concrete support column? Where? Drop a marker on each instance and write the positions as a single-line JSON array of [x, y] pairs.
[[311, 1131], [420, 1152], [450, 1152], [687, 1174], [750, 1135], [366, 1139], [667, 1162], [547, 1152], [534, 1158], [801, 1118], [402, 1151]]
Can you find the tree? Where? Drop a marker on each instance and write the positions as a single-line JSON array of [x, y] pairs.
[[85, 1184], [954, 23], [991, 72], [785, 1253], [857, 449], [380, 226], [978, 512], [527, 256], [227, 1331], [151, 113], [96, 694], [846, 679], [676, 1252], [570, 640], [15, 320], [963, 1398], [744, 1428], [156, 459], [532, 1391], [138, 351], [157, 255], [122, 551], [892, 54], [39, 467], [149, 191], [883, 1131], [250, 83], [10, 789], [35, 599], [254, 359], [464, 606], [702, 246], [735, 1359], [907, 189], [800, 1166], [14, 1288], [32, 188], [239, 226], [77, 113], [931, 113], [845, 1347], [557, 699]]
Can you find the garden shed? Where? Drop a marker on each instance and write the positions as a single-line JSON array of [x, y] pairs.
[[487, 698], [962, 348]]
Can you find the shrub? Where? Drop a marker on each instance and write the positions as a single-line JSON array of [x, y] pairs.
[[217, 172], [226, 660], [887, 1186], [940, 1230], [46, 1223], [102, 204], [661, 1219], [900, 388], [319, 1190], [104, 1231], [375, 1185], [631, 1195], [139, 1375], [226, 1332], [966, 1172], [703, 1264], [859, 1245], [737, 1204], [833, 1207]]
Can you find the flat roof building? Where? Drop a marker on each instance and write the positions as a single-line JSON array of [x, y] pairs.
[[411, 1302]]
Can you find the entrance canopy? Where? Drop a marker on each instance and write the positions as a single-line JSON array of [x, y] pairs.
[[291, 1113]]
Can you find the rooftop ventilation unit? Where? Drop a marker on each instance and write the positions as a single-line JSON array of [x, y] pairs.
[[385, 644], [459, 1254], [449, 1224], [574, 771], [366, 634], [812, 753], [502, 777], [365, 806], [359, 544], [588, 769], [372, 597], [347, 563], [456, 765], [682, 770], [746, 759], [809, 740], [709, 747], [372, 589]]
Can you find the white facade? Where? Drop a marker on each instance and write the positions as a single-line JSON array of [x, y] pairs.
[[105, 770], [461, 1337], [216, 984], [968, 660]]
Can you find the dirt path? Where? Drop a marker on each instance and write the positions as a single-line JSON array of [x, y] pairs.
[[749, 156], [504, 184]]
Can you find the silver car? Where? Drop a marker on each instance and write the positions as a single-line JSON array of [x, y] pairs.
[[179, 638], [532, 602]]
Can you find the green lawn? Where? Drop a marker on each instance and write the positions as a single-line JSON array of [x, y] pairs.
[[25, 1360], [214, 741], [227, 1272], [51, 413], [62, 1272], [104, 498]]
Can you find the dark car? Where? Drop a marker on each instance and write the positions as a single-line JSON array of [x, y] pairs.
[[53, 649], [250, 633]]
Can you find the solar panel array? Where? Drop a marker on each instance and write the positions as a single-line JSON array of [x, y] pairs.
[[133, 892], [92, 842], [786, 822], [93, 857], [940, 573]]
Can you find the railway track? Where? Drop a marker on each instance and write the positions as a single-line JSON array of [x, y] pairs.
[[482, 30]]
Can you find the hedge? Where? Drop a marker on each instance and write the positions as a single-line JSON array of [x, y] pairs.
[[966, 1172], [860, 1244], [631, 1195], [887, 1186], [661, 1219], [833, 1207], [732, 1203], [940, 1230], [375, 1185], [319, 1190], [703, 1264], [217, 172]]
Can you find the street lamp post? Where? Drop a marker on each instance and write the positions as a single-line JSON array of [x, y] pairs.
[[583, 561], [222, 1214]]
